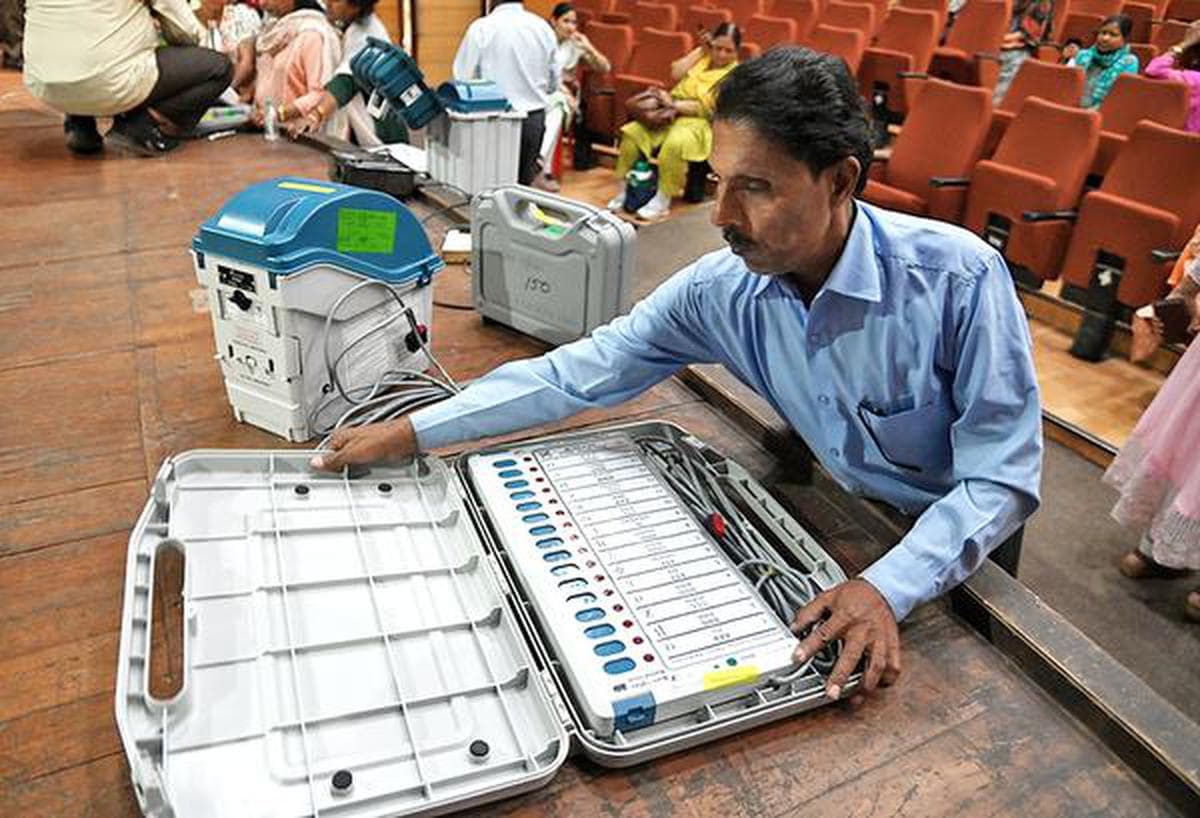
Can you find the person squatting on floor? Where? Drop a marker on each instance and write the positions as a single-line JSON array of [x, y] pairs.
[[90, 58]]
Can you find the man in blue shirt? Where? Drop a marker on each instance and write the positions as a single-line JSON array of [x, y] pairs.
[[895, 346]]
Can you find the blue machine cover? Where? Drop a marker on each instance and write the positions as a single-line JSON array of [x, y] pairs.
[[289, 224], [388, 69], [473, 96]]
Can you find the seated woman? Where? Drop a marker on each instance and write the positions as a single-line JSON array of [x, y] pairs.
[[689, 136], [294, 57], [231, 27], [1182, 64], [573, 46], [1107, 59], [90, 58], [357, 18], [1028, 28]]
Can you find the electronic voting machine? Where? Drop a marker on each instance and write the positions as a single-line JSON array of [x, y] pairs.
[[432, 635]]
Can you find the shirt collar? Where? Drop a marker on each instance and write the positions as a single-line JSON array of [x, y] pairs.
[[856, 273]]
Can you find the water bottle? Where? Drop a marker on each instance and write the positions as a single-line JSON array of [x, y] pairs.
[[270, 121], [641, 183]]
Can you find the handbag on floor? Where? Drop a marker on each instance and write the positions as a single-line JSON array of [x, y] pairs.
[[651, 107]]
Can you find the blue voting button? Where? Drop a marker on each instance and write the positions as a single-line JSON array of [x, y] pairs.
[[622, 665], [609, 648]]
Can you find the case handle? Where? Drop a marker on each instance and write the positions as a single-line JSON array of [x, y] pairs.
[[167, 670]]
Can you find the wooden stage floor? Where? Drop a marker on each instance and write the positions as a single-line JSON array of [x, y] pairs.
[[107, 368]]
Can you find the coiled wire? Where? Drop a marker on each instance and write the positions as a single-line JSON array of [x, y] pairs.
[[784, 588], [394, 393]]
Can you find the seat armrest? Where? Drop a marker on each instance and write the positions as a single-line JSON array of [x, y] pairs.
[[1035, 216], [949, 181]]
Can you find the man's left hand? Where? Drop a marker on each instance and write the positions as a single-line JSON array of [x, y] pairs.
[[856, 613]]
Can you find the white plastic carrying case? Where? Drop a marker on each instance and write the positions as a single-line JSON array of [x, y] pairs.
[[398, 642]]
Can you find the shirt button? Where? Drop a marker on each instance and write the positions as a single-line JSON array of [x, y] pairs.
[[835, 453], [823, 400]]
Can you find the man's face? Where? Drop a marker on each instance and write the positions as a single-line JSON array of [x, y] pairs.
[[774, 212]]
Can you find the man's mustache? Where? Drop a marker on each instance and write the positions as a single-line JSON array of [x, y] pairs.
[[736, 239]]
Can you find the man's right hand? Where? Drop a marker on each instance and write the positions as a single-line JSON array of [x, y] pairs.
[[362, 445]]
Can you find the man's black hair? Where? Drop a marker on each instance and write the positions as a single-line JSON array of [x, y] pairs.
[[365, 8], [804, 101]]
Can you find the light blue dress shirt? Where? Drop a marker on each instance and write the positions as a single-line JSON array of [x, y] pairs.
[[910, 377]]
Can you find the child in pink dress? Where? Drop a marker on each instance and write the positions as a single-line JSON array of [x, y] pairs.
[[1158, 468]]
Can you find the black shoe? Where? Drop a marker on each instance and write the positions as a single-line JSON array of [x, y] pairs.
[[139, 137], [82, 136]]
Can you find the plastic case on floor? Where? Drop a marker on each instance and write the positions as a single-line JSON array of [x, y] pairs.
[[477, 144], [549, 266], [363, 646]]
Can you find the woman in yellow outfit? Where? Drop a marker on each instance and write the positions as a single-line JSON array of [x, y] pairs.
[[689, 137]]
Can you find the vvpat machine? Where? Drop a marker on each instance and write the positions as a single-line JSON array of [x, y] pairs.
[[314, 288]]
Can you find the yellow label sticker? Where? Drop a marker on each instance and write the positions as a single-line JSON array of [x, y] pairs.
[[730, 676], [307, 187]]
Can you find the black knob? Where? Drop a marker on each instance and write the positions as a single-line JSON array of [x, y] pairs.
[[342, 780], [241, 300]]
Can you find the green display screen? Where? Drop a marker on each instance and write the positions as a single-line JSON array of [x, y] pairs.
[[366, 231]]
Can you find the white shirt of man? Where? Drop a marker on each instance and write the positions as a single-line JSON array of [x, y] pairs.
[[515, 49], [96, 57]]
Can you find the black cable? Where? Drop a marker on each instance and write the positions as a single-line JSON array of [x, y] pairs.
[[431, 182], [428, 217]]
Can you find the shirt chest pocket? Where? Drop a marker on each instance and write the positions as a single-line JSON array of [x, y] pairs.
[[914, 440]]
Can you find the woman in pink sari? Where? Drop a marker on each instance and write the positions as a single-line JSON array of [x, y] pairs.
[[1158, 468], [294, 57]]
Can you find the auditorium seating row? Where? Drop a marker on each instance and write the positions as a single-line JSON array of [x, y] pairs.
[[1028, 199], [1015, 175], [886, 48]]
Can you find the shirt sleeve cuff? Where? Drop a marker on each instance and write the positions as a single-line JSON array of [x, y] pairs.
[[893, 576]]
